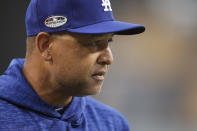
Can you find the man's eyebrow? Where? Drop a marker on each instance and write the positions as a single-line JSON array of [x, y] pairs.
[[110, 37]]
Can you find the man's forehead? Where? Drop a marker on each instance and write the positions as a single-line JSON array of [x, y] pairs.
[[95, 36], [86, 36]]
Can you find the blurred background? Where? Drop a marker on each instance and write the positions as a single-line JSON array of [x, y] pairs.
[[153, 80]]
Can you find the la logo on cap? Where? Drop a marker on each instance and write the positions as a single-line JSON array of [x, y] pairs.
[[107, 5]]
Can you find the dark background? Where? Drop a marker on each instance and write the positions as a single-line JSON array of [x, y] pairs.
[[13, 34]]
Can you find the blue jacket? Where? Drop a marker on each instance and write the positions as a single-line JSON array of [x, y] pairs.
[[21, 109]]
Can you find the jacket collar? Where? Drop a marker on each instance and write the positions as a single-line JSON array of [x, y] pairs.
[[15, 89]]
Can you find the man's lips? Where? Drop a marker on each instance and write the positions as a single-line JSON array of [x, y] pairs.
[[99, 76]]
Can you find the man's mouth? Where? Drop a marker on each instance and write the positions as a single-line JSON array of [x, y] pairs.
[[99, 76]]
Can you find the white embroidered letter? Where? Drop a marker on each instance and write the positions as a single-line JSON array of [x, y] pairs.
[[107, 5]]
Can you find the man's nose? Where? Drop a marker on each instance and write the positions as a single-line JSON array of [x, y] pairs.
[[106, 57]]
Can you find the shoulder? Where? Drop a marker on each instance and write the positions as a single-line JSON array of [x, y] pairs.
[[7, 80], [12, 75], [8, 112], [106, 114], [8, 84], [8, 109], [15, 117]]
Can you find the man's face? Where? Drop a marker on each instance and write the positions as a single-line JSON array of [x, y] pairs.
[[80, 62]]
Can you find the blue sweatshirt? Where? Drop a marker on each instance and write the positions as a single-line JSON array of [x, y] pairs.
[[21, 109]]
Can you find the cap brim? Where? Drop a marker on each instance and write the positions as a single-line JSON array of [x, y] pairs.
[[116, 27]]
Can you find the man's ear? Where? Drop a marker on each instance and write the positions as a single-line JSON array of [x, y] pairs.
[[43, 44]]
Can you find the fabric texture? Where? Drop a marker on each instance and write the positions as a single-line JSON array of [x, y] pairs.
[[21, 109]]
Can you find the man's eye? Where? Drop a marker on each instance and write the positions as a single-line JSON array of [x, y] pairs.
[[99, 43], [110, 40], [95, 43]]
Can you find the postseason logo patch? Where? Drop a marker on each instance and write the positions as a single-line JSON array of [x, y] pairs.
[[55, 21]]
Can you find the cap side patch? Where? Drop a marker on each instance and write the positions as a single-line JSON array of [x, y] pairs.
[[55, 21]]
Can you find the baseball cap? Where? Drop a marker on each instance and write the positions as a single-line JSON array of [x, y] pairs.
[[77, 16]]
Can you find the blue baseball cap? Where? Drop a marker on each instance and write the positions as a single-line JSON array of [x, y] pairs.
[[77, 16]]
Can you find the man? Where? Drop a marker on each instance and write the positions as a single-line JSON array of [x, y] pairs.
[[67, 58]]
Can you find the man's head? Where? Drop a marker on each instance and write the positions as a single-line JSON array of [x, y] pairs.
[[75, 63], [69, 41]]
